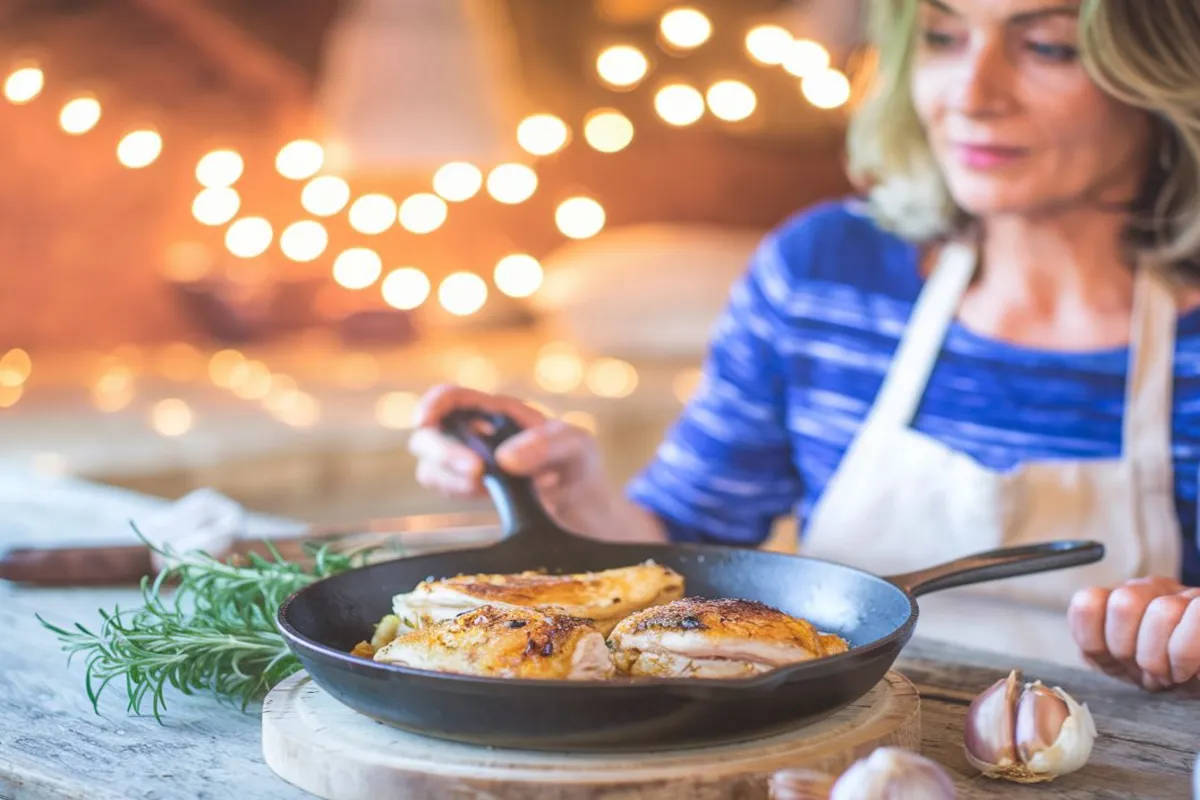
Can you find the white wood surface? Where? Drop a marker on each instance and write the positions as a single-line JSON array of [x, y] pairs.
[[316, 743], [52, 745]]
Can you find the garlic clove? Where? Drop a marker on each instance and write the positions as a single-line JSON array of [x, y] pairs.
[[989, 736], [1029, 734], [1039, 720], [1071, 750], [892, 773]]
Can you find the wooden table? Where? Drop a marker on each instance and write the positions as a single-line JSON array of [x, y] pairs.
[[53, 746]]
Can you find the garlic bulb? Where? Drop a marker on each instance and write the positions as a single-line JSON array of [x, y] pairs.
[[1027, 734], [889, 773]]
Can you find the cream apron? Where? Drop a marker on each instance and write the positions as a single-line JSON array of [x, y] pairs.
[[901, 501]]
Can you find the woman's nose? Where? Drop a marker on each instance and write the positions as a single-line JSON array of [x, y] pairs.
[[985, 81]]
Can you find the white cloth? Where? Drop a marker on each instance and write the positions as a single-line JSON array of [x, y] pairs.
[[901, 501]]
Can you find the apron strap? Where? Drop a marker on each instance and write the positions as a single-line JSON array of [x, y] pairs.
[[1149, 387], [1149, 391], [935, 309]]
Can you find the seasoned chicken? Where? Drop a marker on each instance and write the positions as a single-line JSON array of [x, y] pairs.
[[702, 638], [605, 597], [505, 642]]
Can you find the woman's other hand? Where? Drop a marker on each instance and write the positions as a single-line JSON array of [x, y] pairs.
[[562, 460], [1146, 631]]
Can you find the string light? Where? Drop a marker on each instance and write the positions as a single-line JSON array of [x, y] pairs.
[[249, 237], [171, 417], [9, 395], [678, 104], [607, 130], [457, 181], [15, 367], [768, 44], [685, 28], [826, 89], [422, 213], [558, 368], [518, 275], [216, 206], [325, 195], [221, 367], [179, 361], [304, 241], [462, 293], [372, 214], [301, 411], [542, 134], [805, 57], [24, 85], [80, 115], [113, 390], [478, 373], [511, 183], [731, 100], [397, 410], [250, 380], [622, 66], [220, 168], [300, 159], [139, 149], [579, 217], [357, 268], [611, 377], [405, 288]]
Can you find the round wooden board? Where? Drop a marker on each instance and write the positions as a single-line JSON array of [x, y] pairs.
[[313, 742]]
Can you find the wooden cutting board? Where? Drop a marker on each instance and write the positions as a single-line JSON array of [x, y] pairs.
[[323, 747]]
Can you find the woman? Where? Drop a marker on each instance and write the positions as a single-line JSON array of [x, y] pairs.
[[1000, 345]]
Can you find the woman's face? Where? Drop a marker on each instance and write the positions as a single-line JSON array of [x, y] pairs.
[[1014, 120]]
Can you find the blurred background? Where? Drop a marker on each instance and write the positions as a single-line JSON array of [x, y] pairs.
[[238, 238]]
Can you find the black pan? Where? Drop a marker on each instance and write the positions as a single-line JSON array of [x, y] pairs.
[[876, 615]]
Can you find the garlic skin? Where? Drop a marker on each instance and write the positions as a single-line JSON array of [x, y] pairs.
[[1027, 734], [800, 784], [892, 773]]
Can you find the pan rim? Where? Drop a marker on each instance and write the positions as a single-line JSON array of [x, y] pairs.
[[301, 644]]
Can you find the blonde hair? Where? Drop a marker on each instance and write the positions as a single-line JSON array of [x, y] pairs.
[[1143, 53]]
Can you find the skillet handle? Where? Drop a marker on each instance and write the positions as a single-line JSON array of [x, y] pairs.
[[516, 502], [993, 565]]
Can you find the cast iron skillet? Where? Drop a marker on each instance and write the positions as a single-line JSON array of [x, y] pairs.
[[875, 614]]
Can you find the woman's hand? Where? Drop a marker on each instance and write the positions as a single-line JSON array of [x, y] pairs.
[[1146, 631], [562, 460]]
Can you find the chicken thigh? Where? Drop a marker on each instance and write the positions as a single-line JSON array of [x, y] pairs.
[[604, 597], [722, 638], [505, 642]]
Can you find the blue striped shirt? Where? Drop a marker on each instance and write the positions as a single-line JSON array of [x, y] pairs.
[[800, 352]]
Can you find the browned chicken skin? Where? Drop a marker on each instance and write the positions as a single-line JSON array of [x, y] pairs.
[[505, 642], [722, 638], [605, 597]]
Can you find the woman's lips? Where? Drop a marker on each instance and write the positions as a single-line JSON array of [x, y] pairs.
[[986, 156]]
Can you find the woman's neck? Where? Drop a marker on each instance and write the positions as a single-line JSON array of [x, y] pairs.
[[1059, 282], [1067, 260]]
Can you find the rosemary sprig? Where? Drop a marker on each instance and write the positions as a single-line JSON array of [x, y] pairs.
[[216, 634]]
